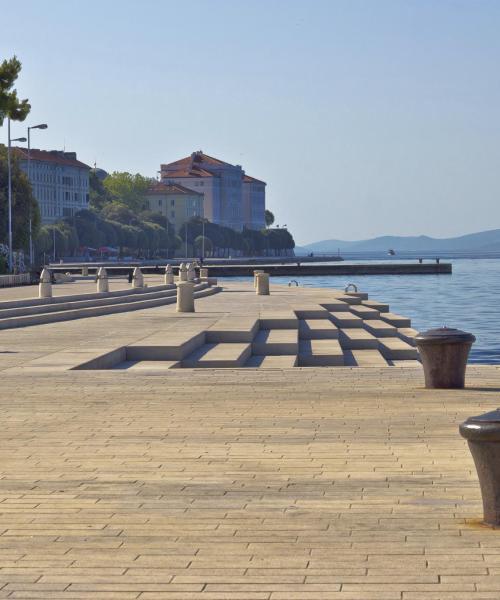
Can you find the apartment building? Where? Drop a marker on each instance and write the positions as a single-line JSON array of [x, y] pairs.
[[174, 201]]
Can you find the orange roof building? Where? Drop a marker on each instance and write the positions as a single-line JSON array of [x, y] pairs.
[[174, 201], [230, 197], [60, 182]]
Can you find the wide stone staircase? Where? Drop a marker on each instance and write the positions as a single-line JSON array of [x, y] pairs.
[[36, 311], [348, 330]]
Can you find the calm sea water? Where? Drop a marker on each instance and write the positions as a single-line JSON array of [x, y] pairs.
[[468, 299]]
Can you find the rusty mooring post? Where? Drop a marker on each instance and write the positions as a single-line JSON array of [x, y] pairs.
[[483, 435], [444, 354]]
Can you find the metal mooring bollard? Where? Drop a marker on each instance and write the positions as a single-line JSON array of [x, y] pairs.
[[483, 436], [444, 354]]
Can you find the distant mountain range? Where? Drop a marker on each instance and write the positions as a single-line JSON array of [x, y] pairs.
[[484, 241]]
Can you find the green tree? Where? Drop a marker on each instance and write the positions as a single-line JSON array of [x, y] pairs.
[[268, 218], [23, 203], [10, 105], [128, 189], [99, 194], [203, 242]]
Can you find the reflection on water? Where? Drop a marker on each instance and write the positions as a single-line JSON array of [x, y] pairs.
[[469, 299]]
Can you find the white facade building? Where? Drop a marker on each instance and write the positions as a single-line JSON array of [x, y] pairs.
[[228, 193], [59, 181]]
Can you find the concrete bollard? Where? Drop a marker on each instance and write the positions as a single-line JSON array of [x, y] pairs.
[[191, 273], [102, 281], [255, 273], [444, 354], [183, 272], [262, 284], [203, 272], [45, 286], [85, 271], [137, 278], [169, 275], [185, 296], [483, 436]]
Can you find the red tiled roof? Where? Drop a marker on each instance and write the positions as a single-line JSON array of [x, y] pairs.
[[196, 157], [53, 156], [186, 172], [170, 188], [248, 179]]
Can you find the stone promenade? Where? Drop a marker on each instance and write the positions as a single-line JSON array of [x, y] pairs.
[[240, 484]]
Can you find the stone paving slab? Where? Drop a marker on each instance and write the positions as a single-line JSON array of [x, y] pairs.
[[277, 483]]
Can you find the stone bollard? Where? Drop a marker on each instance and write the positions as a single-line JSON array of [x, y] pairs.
[[203, 272], [444, 354], [255, 273], [185, 296], [102, 281], [262, 284], [191, 273], [137, 278], [183, 272], [169, 275], [85, 271], [45, 286], [483, 436]]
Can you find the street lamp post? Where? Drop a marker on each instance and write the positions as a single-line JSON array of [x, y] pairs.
[[41, 126], [9, 171], [203, 239]]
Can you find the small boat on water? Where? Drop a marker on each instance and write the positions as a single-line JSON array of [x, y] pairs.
[[391, 252]]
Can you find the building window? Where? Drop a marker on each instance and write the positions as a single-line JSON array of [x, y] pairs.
[[172, 202], [172, 214]]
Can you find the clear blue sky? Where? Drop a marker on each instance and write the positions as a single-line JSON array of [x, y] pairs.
[[364, 117]]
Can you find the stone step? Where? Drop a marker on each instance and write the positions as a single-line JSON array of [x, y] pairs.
[[272, 362], [365, 312], [147, 365], [349, 299], [166, 345], [396, 349], [357, 339], [408, 334], [367, 358], [233, 329], [312, 311], [336, 305], [346, 319], [275, 341], [361, 295], [320, 353], [316, 329], [218, 356], [396, 320], [380, 328], [415, 364], [380, 306], [95, 300], [278, 319], [97, 311]]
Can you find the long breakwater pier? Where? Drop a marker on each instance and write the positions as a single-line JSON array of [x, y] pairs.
[[297, 269]]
